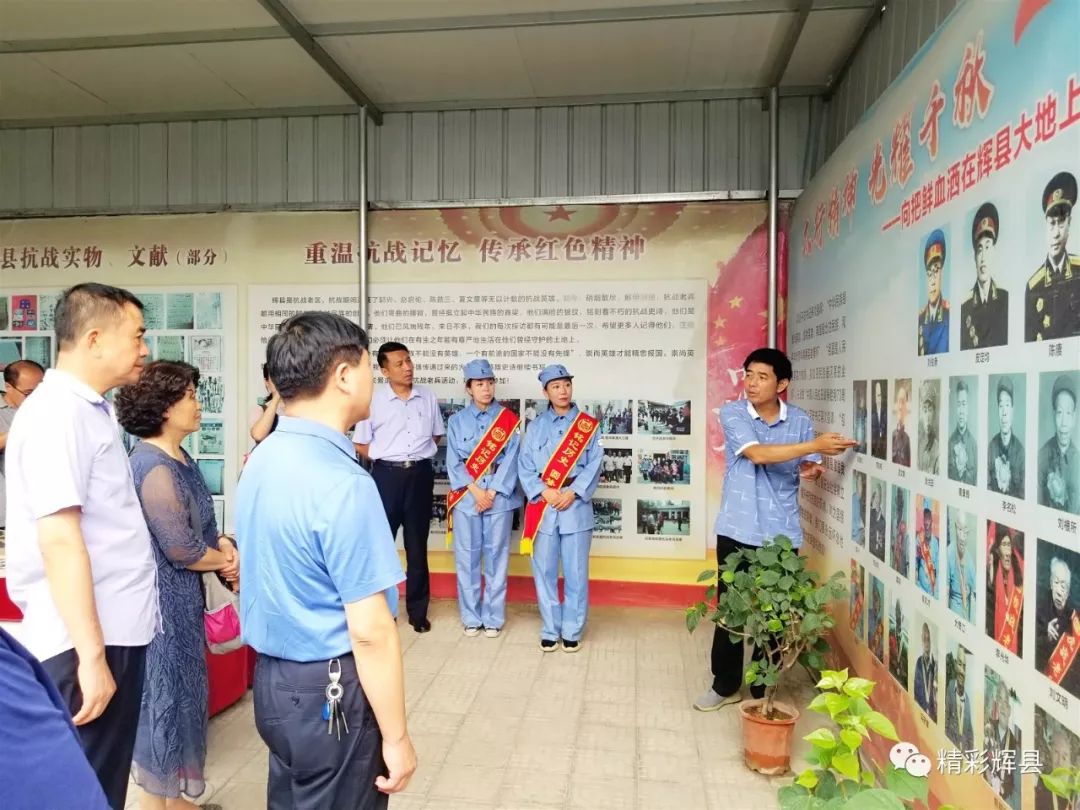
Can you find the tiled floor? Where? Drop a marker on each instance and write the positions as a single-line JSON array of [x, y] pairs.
[[499, 724]]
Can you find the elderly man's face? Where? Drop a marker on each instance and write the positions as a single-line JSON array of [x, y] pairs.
[[961, 409], [1004, 706], [1005, 552], [1005, 411], [1060, 749], [961, 670], [1064, 417], [1059, 586], [961, 536], [926, 640]]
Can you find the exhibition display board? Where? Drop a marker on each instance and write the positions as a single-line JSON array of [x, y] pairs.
[[652, 307], [935, 297]]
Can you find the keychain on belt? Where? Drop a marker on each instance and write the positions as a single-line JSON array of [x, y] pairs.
[[333, 712]]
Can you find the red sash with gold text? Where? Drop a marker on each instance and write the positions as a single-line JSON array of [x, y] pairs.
[[924, 554], [856, 611], [491, 444], [557, 470], [1006, 634], [1065, 653]]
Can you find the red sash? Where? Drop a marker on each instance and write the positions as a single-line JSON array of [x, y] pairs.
[[492, 443], [924, 553], [1065, 653], [558, 469], [1006, 634], [856, 611]]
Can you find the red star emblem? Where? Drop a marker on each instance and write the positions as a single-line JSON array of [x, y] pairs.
[[560, 212]]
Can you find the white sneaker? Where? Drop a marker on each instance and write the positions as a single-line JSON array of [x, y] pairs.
[[492, 632], [472, 632]]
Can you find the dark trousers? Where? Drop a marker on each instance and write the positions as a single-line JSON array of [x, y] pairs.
[[727, 655], [309, 768], [407, 498], [109, 740]]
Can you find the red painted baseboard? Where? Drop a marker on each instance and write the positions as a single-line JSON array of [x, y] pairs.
[[601, 591]]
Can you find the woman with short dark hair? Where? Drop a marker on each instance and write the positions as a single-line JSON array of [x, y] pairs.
[[162, 409]]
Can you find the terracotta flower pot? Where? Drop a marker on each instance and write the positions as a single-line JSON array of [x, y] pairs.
[[767, 743]]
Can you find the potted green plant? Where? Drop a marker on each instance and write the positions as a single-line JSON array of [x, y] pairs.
[[774, 602], [1063, 782], [842, 780]]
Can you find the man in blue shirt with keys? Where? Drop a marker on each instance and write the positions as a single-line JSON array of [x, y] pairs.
[[560, 467], [768, 446], [482, 443], [319, 595]]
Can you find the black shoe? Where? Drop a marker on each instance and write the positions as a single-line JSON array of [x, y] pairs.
[[570, 646], [421, 626], [548, 645]]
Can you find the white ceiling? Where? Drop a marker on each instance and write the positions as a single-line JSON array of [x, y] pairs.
[[75, 59]]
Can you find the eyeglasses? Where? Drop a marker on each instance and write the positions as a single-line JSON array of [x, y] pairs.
[[23, 391]]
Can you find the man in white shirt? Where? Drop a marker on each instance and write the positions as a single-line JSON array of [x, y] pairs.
[[401, 437], [80, 565]]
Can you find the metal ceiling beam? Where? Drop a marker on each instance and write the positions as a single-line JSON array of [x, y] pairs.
[[300, 35], [407, 107], [873, 17], [787, 47], [724, 8]]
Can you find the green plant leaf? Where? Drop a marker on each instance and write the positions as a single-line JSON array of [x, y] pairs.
[[792, 563], [874, 799], [847, 764], [808, 779], [1057, 782], [906, 786], [794, 797], [852, 739], [858, 687], [868, 778], [705, 576], [692, 620], [768, 578], [833, 679], [728, 577], [821, 738], [837, 704], [775, 625], [879, 723], [826, 788], [819, 704]]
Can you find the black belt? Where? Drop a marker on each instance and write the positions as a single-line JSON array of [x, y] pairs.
[[402, 465], [569, 481]]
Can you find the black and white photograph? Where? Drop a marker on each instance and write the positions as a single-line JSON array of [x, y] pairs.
[[1005, 426], [929, 452], [1001, 733], [1058, 748], [533, 408], [962, 451], [900, 530], [1050, 311], [926, 678], [859, 430], [211, 393], [664, 517], [663, 418], [608, 515], [899, 643], [876, 525], [901, 435], [959, 720], [448, 407], [438, 465], [513, 405], [879, 418], [672, 467], [984, 307], [438, 513], [1059, 460]]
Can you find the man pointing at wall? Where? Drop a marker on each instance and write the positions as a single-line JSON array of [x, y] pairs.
[[768, 446]]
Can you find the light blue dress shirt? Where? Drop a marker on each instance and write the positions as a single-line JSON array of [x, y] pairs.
[[464, 431], [400, 429], [541, 440], [313, 537], [761, 501]]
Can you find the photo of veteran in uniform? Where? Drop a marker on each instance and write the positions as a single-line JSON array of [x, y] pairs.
[[959, 725], [857, 601], [984, 314], [664, 418], [858, 424], [1005, 454], [901, 436], [1058, 748], [899, 534], [1001, 733], [1005, 586], [963, 455], [858, 507], [875, 638], [1052, 297], [438, 514], [933, 328], [876, 529], [879, 419], [898, 645], [961, 554], [925, 682], [929, 458], [448, 407], [1057, 616], [663, 517], [672, 467], [617, 466], [533, 408], [438, 466], [1059, 461], [608, 514]]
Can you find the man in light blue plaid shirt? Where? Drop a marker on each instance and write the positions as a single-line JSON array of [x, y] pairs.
[[768, 446]]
